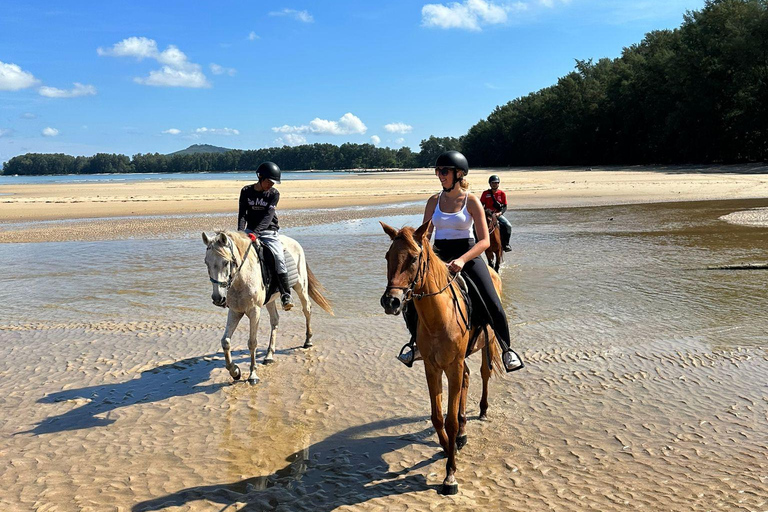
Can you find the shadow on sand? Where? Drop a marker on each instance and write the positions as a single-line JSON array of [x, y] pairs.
[[180, 378], [347, 468]]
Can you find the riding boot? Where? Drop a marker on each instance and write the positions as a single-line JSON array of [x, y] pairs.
[[410, 352], [285, 291]]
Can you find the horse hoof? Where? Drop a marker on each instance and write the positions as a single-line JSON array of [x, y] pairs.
[[483, 417], [253, 380], [237, 374], [461, 442], [449, 489], [268, 361], [308, 344]]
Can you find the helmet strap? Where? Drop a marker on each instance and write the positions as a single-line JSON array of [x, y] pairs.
[[453, 186]]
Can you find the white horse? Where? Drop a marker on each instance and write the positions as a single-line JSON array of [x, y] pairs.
[[238, 284]]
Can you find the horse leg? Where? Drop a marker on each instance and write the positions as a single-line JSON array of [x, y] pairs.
[[306, 307], [435, 385], [233, 319], [461, 438], [254, 316], [455, 376], [274, 320], [485, 373]]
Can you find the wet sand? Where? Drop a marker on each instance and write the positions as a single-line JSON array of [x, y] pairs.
[[645, 386]]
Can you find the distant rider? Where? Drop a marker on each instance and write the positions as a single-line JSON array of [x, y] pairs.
[[257, 215], [495, 200]]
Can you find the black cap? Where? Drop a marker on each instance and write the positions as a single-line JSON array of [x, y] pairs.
[[453, 159], [269, 171], [494, 179]]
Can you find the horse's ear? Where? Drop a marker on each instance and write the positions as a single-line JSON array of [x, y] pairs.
[[206, 240], [392, 232], [222, 239], [420, 234]]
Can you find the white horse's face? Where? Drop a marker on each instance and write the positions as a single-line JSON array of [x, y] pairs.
[[218, 267]]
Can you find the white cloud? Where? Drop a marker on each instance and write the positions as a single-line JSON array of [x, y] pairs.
[[5, 132], [348, 124], [470, 14], [252, 36], [291, 139], [78, 90], [177, 71], [398, 128], [375, 140], [217, 131], [13, 78], [50, 132], [400, 141], [221, 70], [172, 131], [302, 16], [28, 115]]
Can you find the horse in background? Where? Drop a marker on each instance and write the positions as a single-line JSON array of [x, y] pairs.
[[414, 272], [495, 252], [238, 284]]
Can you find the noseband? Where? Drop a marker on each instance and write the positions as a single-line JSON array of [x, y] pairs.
[[232, 264]]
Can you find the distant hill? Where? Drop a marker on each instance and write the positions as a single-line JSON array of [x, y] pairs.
[[200, 148]]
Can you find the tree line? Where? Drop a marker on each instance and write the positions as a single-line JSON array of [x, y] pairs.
[[696, 94], [305, 157]]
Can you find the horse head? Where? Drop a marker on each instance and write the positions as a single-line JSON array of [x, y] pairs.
[[403, 258], [220, 260]]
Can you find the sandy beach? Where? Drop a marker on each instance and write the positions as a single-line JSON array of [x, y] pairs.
[[645, 386]]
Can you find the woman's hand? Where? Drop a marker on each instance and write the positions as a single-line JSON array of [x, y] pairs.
[[456, 265]]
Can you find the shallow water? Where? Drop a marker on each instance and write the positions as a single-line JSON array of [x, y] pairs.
[[645, 384]]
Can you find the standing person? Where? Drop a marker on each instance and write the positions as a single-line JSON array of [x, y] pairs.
[[257, 215], [453, 212], [495, 200]]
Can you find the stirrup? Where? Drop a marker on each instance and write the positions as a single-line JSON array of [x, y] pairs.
[[511, 361], [287, 302], [507, 248], [408, 358]]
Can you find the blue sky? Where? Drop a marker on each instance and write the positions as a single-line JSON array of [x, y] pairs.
[[140, 77]]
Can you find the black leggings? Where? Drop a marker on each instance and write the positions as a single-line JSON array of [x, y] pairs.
[[477, 271]]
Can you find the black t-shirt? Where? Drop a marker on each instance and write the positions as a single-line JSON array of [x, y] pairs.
[[257, 209]]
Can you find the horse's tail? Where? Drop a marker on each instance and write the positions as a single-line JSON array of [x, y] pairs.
[[316, 292]]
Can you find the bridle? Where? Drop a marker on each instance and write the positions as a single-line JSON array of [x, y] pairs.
[[232, 264], [408, 291]]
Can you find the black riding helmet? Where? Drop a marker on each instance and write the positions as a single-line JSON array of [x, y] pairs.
[[269, 171], [453, 159], [494, 179]]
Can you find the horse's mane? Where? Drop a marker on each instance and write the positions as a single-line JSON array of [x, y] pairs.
[[238, 238], [437, 266]]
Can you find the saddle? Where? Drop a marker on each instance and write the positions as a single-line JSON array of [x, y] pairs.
[[268, 271]]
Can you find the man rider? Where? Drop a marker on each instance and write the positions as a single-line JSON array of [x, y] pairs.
[[257, 215], [495, 200]]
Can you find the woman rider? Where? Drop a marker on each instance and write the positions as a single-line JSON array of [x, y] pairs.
[[257, 215], [453, 211]]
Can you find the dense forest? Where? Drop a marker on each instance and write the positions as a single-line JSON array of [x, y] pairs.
[[696, 94]]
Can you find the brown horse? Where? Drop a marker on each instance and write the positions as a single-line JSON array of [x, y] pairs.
[[495, 253], [414, 272]]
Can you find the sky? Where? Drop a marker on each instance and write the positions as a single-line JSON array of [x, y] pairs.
[[82, 77]]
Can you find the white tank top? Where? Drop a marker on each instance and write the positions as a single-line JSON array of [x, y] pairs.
[[452, 226]]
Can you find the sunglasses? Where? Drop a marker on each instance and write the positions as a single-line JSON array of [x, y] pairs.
[[443, 171]]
